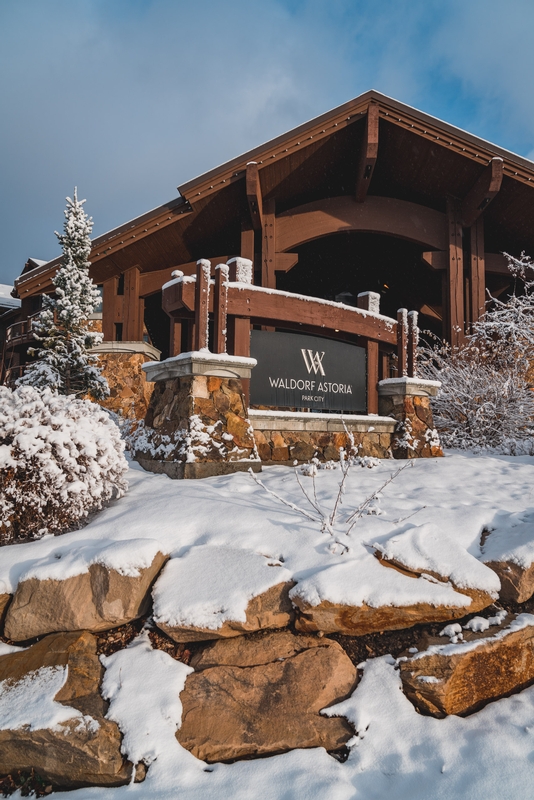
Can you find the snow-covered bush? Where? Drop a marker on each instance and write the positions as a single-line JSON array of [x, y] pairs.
[[63, 361], [60, 459], [486, 400]]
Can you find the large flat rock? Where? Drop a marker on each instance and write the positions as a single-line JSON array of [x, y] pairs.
[[52, 714], [221, 592], [508, 549], [460, 678], [363, 596], [102, 594], [232, 712]]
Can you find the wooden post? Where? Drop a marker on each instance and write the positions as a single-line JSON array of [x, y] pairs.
[[384, 366], [175, 344], [202, 293], [220, 302], [402, 338], [413, 339], [372, 376], [109, 301], [247, 241], [455, 277], [133, 324], [268, 248], [477, 271]]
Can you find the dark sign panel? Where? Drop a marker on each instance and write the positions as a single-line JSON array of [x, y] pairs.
[[307, 372]]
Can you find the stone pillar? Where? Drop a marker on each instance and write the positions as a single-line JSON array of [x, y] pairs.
[[408, 401], [197, 421], [129, 390]]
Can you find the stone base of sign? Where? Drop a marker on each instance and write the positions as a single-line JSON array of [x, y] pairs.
[[408, 401], [196, 425], [129, 390], [285, 437]]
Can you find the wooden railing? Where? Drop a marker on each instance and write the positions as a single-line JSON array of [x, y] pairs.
[[235, 306]]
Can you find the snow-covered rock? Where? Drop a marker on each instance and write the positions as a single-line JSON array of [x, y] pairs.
[[361, 596], [90, 587], [508, 549], [221, 592], [52, 715], [460, 677]]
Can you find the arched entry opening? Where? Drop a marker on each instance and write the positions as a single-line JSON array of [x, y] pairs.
[[353, 262]]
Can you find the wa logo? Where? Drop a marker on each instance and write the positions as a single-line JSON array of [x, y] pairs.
[[313, 361]]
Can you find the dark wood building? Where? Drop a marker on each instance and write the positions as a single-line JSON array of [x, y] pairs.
[[372, 196]]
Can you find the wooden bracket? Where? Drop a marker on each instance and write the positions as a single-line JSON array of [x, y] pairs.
[[254, 198], [482, 192], [369, 153]]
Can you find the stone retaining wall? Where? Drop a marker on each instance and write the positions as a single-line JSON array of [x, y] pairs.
[[286, 437]]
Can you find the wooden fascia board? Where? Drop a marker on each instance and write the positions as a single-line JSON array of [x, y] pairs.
[[482, 192], [461, 142], [391, 110], [107, 244]]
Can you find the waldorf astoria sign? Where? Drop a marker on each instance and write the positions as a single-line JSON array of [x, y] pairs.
[[298, 371]]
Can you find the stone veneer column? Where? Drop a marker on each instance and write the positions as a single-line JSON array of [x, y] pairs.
[[408, 401], [129, 390], [197, 424]]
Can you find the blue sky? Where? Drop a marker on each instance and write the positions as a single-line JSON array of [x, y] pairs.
[[129, 98]]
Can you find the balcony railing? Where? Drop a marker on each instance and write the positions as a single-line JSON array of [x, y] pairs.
[[21, 332]]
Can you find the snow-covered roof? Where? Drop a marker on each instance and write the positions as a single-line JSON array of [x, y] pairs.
[[6, 301]]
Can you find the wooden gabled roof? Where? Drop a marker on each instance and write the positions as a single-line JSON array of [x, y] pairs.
[[420, 159]]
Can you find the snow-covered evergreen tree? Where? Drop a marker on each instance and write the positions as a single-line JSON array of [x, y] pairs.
[[64, 363]]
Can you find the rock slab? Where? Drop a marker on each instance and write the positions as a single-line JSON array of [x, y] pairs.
[[517, 581], [461, 678], [232, 712], [97, 600], [270, 609], [72, 753]]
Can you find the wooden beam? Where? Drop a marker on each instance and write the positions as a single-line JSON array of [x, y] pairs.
[[497, 264], [285, 261], [220, 303], [133, 323], [482, 192], [436, 259], [368, 153], [202, 297], [477, 278], [255, 203], [387, 215], [372, 377], [455, 277], [268, 248], [402, 342], [151, 282], [279, 307]]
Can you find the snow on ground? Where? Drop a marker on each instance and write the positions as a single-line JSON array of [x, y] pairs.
[[396, 751]]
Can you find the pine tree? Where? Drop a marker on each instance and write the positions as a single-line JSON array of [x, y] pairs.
[[64, 363]]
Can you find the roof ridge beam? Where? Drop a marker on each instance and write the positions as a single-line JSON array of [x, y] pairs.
[[368, 153]]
